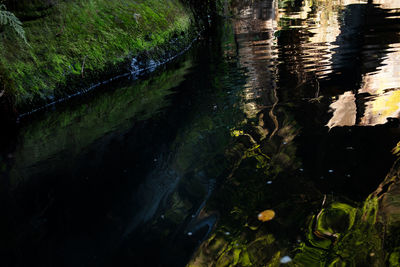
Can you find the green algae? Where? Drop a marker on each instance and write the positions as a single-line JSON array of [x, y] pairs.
[[239, 238], [371, 238], [76, 42], [342, 236]]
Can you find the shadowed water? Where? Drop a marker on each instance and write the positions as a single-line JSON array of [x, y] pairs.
[[289, 106]]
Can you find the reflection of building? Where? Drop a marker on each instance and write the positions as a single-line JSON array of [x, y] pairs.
[[342, 44], [254, 32], [343, 47], [318, 25], [388, 4], [378, 96], [384, 88], [345, 110]]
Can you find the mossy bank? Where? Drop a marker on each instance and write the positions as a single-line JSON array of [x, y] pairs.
[[74, 44]]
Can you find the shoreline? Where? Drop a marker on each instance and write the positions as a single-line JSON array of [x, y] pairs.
[[135, 73], [91, 50]]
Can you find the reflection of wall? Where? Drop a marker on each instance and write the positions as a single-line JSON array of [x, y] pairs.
[[254, 30], [344, 111], [332, 39], [369, 62], [314, 28], [384, 86], [388, 3], [380, 93]]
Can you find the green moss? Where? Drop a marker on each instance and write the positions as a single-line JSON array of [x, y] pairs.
[[81, 40]]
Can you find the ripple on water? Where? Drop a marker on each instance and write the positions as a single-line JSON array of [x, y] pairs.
[[346, 49]]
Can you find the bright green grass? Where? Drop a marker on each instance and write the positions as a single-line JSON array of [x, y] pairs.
[[99, 34]]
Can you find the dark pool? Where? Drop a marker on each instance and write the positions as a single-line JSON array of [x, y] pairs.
[[285, 105]]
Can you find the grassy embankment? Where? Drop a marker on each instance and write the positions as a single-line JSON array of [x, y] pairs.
[[72, 44]]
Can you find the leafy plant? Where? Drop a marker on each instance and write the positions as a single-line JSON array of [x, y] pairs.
[[9, 19]]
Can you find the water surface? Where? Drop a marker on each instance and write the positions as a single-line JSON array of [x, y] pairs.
[[285, 106]]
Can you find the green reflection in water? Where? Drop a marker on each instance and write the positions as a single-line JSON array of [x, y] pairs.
[[46, 142], [341, 235], [198, 157], [240, 239]]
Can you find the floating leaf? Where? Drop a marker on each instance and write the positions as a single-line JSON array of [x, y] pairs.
[[266, 215]]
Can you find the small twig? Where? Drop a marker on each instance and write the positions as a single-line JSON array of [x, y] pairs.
[[83, 66], [2, 93]]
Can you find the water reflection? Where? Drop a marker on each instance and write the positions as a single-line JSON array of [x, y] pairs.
[[254, 29], [382, 88], [122, 175], [373, 61], [62, 135], [310, 72], [337, 46], [225, 154], [72, 170], [344, 111]]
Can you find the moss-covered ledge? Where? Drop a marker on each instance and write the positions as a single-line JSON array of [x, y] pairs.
[[74, 44]]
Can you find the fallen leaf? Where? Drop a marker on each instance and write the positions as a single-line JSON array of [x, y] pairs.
[[266, 215]]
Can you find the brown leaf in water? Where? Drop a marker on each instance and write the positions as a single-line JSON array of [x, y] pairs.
[[266, 215]]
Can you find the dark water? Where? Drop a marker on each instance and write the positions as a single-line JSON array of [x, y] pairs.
[[285, 104]]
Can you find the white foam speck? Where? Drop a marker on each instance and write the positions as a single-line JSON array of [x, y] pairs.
[[285, 259]]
